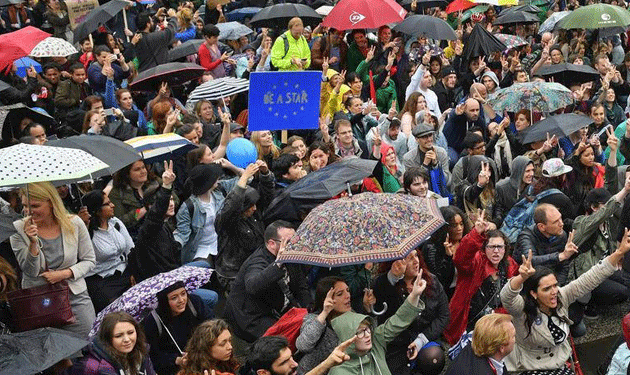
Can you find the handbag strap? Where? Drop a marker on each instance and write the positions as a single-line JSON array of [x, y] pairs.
[[577, 368]]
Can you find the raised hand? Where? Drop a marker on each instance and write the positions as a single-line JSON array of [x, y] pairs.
[[419, 285], [30, 228], [526, 269], [168, 177], [329, 302], [399, 267], [392, 111], [338, 355], [612, 141], [481, 225], [569, 249], [370, 54], [484, 175], [449, 248], [325, 65]]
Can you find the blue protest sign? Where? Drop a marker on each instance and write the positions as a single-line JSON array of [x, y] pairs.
[[284, 100]]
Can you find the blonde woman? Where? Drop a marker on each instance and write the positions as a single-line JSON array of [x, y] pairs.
[[186, 29], [267, 150], [52, 246]]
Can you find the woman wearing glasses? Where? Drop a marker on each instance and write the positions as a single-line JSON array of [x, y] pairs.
[[483, 268]]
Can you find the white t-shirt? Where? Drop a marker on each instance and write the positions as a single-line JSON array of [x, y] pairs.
[[208, 242]]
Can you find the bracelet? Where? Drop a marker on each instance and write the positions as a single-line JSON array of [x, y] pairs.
[[136, 214]]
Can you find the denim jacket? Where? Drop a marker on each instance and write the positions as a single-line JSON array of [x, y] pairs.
[[188, 229]]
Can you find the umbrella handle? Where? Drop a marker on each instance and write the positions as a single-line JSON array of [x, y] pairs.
[[379, 313]]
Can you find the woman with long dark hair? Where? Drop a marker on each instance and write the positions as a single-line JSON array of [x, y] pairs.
[[540, 312], [210, 348], [483, 267], [418, 341], [585, 176]]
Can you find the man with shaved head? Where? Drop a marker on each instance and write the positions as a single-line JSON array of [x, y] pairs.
[[464, 117]]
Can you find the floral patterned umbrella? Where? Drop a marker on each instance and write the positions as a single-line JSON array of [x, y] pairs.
[[511, 41], [367, 227], [536, 96], [141, 298], [53, 47]]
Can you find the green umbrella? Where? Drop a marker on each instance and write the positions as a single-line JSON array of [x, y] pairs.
[[596, 16], [478, 9]]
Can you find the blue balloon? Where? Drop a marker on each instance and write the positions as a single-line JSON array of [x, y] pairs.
[[241, 152]]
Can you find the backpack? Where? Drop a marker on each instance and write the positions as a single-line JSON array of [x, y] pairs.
[[288, 326], [522, 215], [286, 51]]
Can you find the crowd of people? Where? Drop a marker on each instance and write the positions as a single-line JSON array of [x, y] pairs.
[[535, 233]]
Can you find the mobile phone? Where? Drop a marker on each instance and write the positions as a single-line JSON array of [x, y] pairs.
[[599, 134], [109, 112]]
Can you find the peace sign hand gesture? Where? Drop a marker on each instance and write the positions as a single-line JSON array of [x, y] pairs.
[[484, 175], [168, 177], [526, 270]]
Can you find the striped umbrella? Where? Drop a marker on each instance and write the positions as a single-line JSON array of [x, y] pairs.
[[596, 16], [496, 2], [160, 147], [218, 88]]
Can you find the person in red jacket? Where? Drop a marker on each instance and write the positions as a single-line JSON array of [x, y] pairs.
[[210, 56], [483, 268]]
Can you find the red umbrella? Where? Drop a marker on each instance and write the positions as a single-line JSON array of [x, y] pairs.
[[364, 14], [19, 44], [458, 5]]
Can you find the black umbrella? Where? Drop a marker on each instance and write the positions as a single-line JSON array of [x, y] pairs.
[[6, 225], [3, 85], [303, 195], [34, 351], [11, 115], [187, 48], [278, 16], [559, 125], [508, 18], [568, 74], [97, 17], [481, 43], [427, 26], [174, 73], [529, 8], [111, 151], [4, 3], [423, 4]]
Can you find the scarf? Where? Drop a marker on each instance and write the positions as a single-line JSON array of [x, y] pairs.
[[503, 143]]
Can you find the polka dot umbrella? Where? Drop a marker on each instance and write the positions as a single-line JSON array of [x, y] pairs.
[[23, 164]]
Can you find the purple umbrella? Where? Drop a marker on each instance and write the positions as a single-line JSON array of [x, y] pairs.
[[140, 299]]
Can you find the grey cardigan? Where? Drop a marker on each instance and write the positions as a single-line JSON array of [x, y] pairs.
[[316, 341]]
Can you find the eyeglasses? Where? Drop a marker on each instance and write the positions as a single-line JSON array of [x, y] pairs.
[[495, 247], [364, 332]]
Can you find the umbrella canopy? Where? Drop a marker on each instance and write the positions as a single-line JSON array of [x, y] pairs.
[[218, 88], [515, 17], [116, 154], [11, 115], [423, 4], [364, 14], [175, 73], [189, 47], [568, 74], [23, 163], [232, 30], [427, 26], [7, 229], [141, 298], [324, 10], [536, 96], [24, 63], [550, 23], [34, 351], [481, 43], [53, 47], [160, 147], [496, 2], [317, 187], [558, 125], [367, 227], [530, 8], [596, 16], [478, 9], [511, 41], [458, 5], [278, 16], [4, 3], [97, 17], [241, 14], [19, 44]]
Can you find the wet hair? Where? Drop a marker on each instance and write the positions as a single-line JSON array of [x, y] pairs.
[[185, 130], [75, 66], [264, 352], [321, 290], [11, 277], [530, 307], [283, 163], [210, 30], [194, 156], [471, 139], [410, 175], [271, 232], [100, 49]]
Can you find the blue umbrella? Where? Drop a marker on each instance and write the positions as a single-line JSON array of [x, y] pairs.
[[242, 13], [24, 63]]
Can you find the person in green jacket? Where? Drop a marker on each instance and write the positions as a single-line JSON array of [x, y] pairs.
[[367, 354], [290, 51]]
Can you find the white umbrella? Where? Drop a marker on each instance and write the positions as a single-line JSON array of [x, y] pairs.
[[218, 88], [23, 164], [53, 47], [232, 30], [324, 10], [551, 22]]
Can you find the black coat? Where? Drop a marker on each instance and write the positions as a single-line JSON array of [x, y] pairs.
[[468, 363], [240, 236], [156, 250], [431, 322], [440, 264], [545, 251], [256, 301]]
